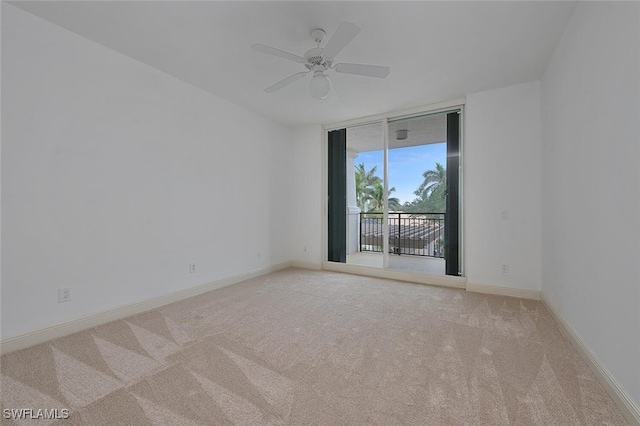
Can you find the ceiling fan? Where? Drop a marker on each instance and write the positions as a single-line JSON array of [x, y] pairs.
[[320, 59]]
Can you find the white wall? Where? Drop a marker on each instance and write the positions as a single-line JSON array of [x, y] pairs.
[[115, 176], [306, 219], [591, 184], [501, 170], [502, 173]]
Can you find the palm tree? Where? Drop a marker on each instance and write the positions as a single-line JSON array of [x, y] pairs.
[[433, 179], [365, 180], [376, 198]]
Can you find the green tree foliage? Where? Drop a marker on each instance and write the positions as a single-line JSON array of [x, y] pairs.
[[370, 190], [365, 180], [376, 199], [432, 192], [433, 179], [431, 195]]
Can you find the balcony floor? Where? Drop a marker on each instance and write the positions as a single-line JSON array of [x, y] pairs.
[[405, 262]]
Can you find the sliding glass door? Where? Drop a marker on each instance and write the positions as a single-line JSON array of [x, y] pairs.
[[394, 194]]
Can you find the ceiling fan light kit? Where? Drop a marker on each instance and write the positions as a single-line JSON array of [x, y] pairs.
[[319, 85], [320, 60]]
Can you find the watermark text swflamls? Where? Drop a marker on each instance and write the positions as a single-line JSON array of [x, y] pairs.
[[36, 414]]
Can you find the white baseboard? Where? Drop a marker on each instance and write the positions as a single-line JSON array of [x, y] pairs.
[[620, 397], [59, 330], [316, 266], [412, 277], [503, 291]]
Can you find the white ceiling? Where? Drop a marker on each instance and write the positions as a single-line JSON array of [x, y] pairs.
[[437, 51]]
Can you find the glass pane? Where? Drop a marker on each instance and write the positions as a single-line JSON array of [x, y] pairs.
[[417, 193], [365, 172]]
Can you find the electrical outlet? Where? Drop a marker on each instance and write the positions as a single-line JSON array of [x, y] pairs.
[[505, 268], [64, 294], [192, 268], [504, 215], [259, 254]]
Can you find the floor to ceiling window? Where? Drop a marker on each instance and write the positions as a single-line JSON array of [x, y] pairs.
[[393, 194]]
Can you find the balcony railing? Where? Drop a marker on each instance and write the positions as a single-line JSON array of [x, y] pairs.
[[419, 234]]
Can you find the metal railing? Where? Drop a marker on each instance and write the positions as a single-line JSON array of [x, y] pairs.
[[419, 234]]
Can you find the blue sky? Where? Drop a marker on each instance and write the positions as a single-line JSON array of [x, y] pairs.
[[406, 166]]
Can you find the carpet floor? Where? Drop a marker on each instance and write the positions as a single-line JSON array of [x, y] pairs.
[[301, 347]]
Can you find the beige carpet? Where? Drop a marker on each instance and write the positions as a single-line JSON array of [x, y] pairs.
[[309, 347]]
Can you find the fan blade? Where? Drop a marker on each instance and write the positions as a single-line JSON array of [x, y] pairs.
[[279, 53], [343, 35], [360, 69], [279, 85]]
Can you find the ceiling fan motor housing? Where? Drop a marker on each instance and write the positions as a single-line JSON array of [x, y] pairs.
[[315, 57]]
